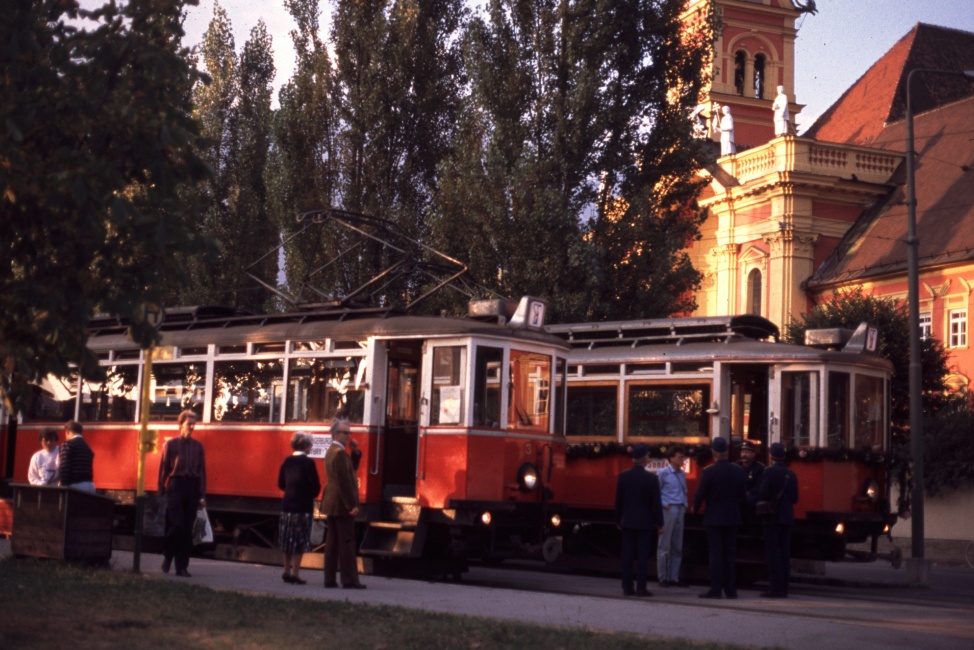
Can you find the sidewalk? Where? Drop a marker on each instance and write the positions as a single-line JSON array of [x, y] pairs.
[[803, 621]]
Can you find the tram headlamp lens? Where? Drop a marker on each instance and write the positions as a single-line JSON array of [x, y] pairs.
[[485, 518], [840, 528], [870, 489], [527, 477], [556, 520]]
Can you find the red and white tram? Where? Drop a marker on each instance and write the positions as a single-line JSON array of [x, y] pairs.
[[459, 420], [687, 380]]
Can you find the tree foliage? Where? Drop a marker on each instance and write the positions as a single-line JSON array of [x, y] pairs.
[[850, 308], [98, 137]]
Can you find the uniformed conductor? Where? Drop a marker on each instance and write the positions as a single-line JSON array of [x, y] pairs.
[[639, 515]]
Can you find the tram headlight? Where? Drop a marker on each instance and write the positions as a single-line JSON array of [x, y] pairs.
[[840, 528], [485, 518], [527, 477], [870, 489], [555, 520]]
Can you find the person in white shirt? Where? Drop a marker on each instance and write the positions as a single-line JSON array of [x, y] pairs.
[[43, 468]]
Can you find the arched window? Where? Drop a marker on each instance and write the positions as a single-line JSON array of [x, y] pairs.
[[754, 292], [759, 76], [739, 59]]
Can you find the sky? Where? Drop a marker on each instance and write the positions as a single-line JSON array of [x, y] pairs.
[[834, 47]]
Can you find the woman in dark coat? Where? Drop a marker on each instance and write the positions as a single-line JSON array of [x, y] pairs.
[[299, 480]]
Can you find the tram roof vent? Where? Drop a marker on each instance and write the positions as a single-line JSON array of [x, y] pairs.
[[494, 309], [863, 339], [528, 313]]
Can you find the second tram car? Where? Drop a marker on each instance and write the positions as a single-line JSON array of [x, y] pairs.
[[688, 380], [459, 420]]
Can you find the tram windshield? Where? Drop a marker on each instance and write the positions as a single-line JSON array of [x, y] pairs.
[[530, 391]]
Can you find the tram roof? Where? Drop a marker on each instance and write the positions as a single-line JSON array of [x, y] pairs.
[[665, 330], [731, 350], [198, 326]]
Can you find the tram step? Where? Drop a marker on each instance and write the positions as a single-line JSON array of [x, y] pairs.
[[390, 539]]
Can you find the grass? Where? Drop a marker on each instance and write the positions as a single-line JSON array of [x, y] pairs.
[[48, 604]]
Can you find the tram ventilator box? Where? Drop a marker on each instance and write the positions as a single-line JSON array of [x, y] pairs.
[[61, 523]]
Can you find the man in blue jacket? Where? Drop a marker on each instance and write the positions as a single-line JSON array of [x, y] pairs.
[[723, 489], [779, 486], [639, 515]]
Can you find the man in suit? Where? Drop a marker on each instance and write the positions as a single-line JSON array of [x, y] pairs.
[[182, 479], [639, 515], [778, 485], [340, 504], [723, 489]]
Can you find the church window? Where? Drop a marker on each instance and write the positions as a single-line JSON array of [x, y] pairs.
[[739, 59], [759, 76], [754, 292]]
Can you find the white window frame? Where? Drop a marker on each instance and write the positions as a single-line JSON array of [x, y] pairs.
[[957, 332], [926, 325]]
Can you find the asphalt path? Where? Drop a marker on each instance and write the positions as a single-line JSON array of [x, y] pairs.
[[852, 606]]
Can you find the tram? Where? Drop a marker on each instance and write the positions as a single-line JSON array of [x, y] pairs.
[[459, 420], [688, 380]]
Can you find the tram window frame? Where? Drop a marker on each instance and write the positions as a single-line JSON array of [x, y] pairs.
[[333, 399], [529, 390], [44, 406], [190, 396], [574, 399], [448, 384], [267, 383], [561, 394], [126, 410], [703, 419], [869, 427], [488, 386], [811, 403], [838, 400]]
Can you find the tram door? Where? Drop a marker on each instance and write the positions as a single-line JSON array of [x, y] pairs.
[[749, 403], [402, 419]]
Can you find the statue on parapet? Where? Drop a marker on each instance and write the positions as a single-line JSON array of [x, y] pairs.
[[780, 108], [725, 127]]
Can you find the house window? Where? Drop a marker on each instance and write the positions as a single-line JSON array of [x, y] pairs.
[[759, 76], [958, 328], [739, 59], [926, 325], [754, 292]]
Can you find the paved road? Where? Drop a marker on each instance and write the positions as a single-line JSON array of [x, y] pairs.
[[875, 608]]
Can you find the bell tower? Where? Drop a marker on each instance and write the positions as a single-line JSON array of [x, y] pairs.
[[754, 53]]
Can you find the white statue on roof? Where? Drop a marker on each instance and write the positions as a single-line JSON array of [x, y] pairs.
[[780, 108], [725, 127]]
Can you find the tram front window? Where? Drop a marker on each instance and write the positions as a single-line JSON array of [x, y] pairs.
[[838, 417], [592, 410], [799, 417], [112, 400], [487, 387], [870, 429], [319, 390], [530, 391], [670, 410], [247, 391], [447, 398]]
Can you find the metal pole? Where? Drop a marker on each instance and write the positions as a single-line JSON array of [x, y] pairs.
[[913, 298], [143, 443]]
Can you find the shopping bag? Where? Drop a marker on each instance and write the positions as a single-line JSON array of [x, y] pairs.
[[202, 531]]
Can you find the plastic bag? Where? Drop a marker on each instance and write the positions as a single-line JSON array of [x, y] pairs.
[[202, 531]]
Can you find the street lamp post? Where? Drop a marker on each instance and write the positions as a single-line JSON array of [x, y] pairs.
[[913, 297]]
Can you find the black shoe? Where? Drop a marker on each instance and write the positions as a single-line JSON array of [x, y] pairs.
[[628, 592], [732, 596], [354, 585], [166, 564], [298, 581], [331, 585], [665, 583], [680, 583], [643, 593], [183, 573], [772, 594], [709, 594], [287, 577]]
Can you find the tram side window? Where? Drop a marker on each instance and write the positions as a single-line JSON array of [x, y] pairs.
[[667, 410], [870, 423], [487, 387], [113, 400], [53, 400], [561, 377], [799, 395], [838, 416], [530, 391], [177, 386], [446, 402], [247, 391], [319, 390], [592, 410]]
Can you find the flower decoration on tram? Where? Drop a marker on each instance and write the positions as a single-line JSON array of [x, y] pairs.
[[607, 449]]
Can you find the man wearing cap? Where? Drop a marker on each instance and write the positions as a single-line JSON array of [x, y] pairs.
[[673, 489], [639, 515], [753, 468], [779, 485], [723, 489]]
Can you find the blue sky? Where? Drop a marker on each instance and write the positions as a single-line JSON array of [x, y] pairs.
[[834, 47]]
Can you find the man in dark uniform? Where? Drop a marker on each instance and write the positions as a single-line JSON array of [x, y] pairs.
[[779, 485], [182, 479], [723, 488], [639, 515], [753, 468]]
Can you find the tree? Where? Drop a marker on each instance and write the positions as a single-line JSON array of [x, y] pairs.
[[573, 174], [850, 308], [98, 137]]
